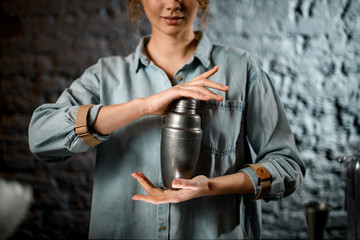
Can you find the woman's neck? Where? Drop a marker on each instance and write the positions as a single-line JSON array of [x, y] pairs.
[[171, 52]]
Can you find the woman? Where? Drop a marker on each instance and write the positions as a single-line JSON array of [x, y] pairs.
[[117, 105]]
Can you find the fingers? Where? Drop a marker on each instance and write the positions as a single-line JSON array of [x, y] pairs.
[[160, 199], [144, 198], [146, 179], [201, 84], [205, 82], [208, 73], [198, 182], [145, 182], [154, 193], [198, 92], [211, 84], [185, 184]]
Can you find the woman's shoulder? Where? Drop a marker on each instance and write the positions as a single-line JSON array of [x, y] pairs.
[[233, 56], [230, 51], [116, 60], [111, 63]]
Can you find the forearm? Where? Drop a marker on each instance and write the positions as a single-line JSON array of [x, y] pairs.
[[114, 117], [239, 183]]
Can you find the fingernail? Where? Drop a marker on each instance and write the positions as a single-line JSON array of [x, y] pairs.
[[175, 183]]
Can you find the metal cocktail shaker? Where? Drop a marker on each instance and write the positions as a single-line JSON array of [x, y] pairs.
[[353, 197], [352, 191], [316, 217], [180, 141]]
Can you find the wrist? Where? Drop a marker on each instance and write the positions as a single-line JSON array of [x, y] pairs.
[[141, 106], [210, 190], [237, 183], [113, 117], [145, 106]]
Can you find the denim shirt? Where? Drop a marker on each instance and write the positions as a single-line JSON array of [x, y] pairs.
[[248, 126]]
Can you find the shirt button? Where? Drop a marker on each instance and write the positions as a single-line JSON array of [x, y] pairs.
[[145, 61], [178, 78], [163, 228]]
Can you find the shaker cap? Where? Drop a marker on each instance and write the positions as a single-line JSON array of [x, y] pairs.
[[186, 105]]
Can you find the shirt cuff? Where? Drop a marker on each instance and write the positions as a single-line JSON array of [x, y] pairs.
[[94, 111], [74, 143], [254, 179]]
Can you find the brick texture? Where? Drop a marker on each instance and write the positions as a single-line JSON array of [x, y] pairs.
[[310, 48]]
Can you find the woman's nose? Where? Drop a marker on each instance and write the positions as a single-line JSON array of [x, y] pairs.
[[173, 5]]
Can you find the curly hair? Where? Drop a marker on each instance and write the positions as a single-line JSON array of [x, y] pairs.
[[136, 10]]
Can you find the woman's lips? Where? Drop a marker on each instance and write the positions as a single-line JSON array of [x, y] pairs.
[[173, 20]]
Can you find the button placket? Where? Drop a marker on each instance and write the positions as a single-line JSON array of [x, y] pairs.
[[163, 221]]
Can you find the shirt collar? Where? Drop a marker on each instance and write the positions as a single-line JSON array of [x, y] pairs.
[[139, 55], [202, 52]]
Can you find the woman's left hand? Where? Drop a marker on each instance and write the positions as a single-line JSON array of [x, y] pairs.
[[187, 189]]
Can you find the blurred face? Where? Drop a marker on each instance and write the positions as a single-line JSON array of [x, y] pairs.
[[171, 16]]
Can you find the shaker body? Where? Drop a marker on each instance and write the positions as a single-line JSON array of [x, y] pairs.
[[180, 142]]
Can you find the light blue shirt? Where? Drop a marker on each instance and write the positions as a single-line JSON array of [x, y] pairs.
[[249, 119]]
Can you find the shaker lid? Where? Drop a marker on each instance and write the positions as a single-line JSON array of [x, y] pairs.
[[185, 105]]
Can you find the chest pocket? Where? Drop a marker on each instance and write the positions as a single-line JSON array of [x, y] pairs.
[[221, 125]]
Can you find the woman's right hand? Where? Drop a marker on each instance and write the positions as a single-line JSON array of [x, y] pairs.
[[158, 104], [113, 117]]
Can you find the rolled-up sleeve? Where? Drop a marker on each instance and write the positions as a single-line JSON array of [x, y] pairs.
[[51, 129], [270, 136]]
